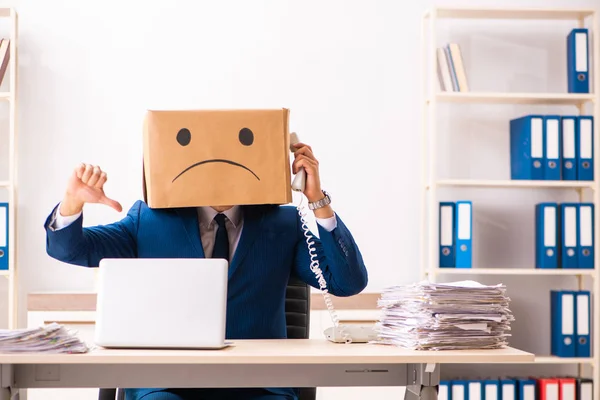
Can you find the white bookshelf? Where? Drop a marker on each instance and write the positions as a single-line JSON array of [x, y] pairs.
[[563, 360], [565, 14], [513, 98], [432, 96], [10, 185], [507, 184], [512, 271]]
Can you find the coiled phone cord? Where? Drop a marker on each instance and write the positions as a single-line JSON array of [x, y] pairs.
[[316, 269]]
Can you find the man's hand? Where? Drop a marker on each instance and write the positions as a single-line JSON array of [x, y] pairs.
[[304, 158], [86, 185]]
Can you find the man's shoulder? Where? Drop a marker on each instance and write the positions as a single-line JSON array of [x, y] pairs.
[[279, 219], [140, 208], [272, 211]]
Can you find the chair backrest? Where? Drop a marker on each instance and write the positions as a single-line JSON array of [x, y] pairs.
[[297, 309], [110, 394], [297, 318]]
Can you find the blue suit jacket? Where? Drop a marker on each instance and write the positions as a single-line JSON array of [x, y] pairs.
[[272, 246]]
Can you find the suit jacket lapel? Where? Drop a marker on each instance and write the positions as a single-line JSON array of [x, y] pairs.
[[189, 219], [250, 230]]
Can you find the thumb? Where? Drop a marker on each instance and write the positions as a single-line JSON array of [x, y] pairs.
[[111, 203]]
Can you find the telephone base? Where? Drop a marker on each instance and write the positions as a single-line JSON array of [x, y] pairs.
[[357, 334]]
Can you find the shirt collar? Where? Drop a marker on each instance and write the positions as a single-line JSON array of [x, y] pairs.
[[207, 215]]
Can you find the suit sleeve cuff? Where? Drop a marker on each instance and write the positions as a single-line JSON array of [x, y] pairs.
[[59, 221], [329, 224]]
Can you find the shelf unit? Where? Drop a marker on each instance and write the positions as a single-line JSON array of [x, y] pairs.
[[513, 98], [563, 360], [430, 183], [10, 185], [507, 184], [512, 271]]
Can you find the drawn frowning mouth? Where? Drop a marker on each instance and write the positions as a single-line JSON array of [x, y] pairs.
[[216, 161]]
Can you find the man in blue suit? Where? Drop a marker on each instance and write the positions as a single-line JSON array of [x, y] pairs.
[[263, 243]]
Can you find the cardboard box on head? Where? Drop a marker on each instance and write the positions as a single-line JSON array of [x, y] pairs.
[[196, 158]]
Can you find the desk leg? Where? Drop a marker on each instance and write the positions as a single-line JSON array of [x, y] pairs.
[[6, 382], [424, 380], [8, 394]]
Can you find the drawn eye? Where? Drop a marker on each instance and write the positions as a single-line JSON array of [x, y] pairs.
[[184, 137], [246, 137]]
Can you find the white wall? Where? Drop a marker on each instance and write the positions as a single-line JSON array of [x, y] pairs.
[[350, 72]]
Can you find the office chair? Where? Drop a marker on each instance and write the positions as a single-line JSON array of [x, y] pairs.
[[297, 316]]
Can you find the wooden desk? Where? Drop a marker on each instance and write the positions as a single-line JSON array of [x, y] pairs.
[[248, 363]]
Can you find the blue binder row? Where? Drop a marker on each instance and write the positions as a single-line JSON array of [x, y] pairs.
[[3, 236], [564, 235], [570, 323], [517, 388], [488, 389], [552, 147], [455, 234], [578, 62]]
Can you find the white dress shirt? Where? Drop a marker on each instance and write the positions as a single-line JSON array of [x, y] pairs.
[[207, 224]]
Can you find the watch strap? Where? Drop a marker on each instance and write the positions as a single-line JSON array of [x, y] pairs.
[[325, 201]]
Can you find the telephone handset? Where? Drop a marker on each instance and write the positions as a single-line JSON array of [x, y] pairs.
[[299, 181], [338, 333]]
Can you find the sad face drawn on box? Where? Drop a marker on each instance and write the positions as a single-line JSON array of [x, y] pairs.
[[216, 158], [246, 138]]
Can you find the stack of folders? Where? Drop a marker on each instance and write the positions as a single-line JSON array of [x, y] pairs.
[[3, 236], [552, 147], [570, 318], [51, 338], [564, 235], [531, 388], [455, 236], [444, 316], [451, 69], [578, 61]]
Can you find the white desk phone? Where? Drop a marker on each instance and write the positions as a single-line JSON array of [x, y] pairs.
[[339, 333]]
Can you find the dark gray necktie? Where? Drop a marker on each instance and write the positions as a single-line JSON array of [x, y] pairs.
[[221, 248]]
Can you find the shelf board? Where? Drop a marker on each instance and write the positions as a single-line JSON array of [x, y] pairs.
[[516, 13], [498, 183], [562, 360], [515, 98], [4, 272], [514, 271], [544, 359]]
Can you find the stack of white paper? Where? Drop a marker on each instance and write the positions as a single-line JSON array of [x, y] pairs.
[[52, 338], [444, 316]]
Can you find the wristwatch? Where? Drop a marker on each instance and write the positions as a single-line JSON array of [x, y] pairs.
[[325, 201]]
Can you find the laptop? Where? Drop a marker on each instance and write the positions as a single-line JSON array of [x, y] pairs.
[[161, 303]]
